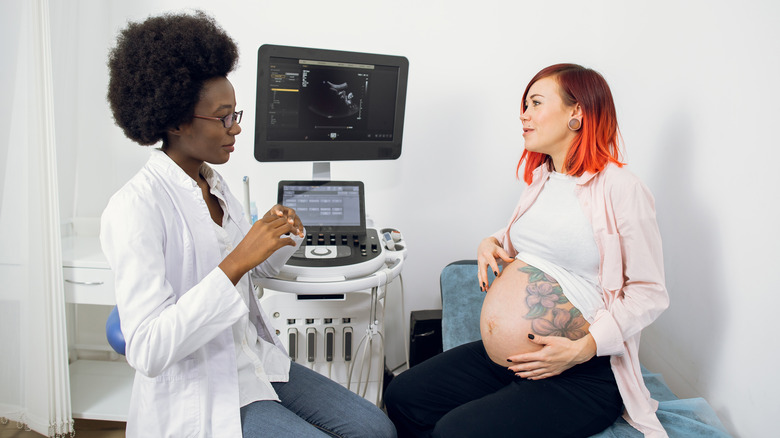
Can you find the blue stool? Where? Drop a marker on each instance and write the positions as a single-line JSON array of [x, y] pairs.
[[114, 333]]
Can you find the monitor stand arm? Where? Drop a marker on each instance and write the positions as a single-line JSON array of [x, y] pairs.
[[320, 171]]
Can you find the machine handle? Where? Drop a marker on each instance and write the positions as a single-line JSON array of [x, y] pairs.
[[84, 283], [378, 278]]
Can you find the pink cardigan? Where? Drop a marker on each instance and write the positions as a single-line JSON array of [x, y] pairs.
[[631, 274]]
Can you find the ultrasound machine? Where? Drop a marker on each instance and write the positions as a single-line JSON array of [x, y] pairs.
[[327, 303]]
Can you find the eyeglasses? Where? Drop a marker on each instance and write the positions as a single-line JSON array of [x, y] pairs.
[[227, 121]]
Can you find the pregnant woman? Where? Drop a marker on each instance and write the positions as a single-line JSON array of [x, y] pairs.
[[582, 276]]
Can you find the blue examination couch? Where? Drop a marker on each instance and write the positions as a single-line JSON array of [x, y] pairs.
[[461, 305]]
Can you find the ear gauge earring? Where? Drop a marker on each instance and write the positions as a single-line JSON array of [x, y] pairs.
[[575, 124]]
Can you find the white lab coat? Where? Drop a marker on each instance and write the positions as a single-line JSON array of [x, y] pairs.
[[176, 306]]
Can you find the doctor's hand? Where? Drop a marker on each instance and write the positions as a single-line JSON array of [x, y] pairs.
[[262, 240], [288, 213], [557, 355], [487, 252]]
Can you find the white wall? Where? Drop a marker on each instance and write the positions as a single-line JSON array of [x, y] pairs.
[[697, 96]]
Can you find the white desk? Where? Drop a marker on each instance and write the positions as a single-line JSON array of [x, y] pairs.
[[100, 389]]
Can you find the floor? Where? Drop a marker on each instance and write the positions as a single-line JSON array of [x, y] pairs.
[[84, 429]]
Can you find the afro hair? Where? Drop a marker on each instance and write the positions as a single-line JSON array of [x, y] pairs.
[[157, 71]]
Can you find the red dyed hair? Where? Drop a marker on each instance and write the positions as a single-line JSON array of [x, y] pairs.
[[596, 143]]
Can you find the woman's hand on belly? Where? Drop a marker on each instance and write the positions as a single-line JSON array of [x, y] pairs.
[[487, 254], [557, 355]]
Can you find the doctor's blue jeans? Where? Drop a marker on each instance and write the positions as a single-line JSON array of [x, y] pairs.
[[313, 405]]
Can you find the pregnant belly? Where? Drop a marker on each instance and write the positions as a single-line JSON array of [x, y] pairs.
[[524, 300]]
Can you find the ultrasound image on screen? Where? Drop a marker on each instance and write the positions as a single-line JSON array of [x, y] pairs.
[[326, 101], [334, 98], [333, 101]]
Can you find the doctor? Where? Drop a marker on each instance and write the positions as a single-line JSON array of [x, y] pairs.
[[207, 361]]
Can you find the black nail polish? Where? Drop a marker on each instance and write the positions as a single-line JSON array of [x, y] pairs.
[[495, 273], [509, 360], [530, 336]]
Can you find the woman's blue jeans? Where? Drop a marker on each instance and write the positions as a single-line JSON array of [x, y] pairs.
[[314, 406]]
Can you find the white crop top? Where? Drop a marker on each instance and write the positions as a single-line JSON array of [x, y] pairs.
[[555, 236]]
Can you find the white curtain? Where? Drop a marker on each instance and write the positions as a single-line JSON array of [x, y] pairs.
[[34, 382]]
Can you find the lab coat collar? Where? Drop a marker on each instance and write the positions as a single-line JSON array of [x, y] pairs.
[[162, 161], [212, 178]]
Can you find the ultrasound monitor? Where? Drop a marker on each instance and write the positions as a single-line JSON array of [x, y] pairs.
[[328, 105]]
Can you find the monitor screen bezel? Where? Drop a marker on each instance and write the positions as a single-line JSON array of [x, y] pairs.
[[330, 228], [334, 150]]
